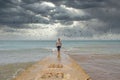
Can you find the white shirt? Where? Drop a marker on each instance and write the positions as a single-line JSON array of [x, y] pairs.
[[58, 43]]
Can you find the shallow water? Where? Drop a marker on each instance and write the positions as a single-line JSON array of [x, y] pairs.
[[34, 50]]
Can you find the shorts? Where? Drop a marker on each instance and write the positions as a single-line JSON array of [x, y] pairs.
[[58, 48]]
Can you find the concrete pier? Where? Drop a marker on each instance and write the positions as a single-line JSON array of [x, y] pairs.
[[53, 68]]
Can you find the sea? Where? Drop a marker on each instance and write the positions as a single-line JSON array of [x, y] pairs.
[[14, 51]]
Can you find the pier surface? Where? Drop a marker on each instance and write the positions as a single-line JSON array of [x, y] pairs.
[[53, 68]]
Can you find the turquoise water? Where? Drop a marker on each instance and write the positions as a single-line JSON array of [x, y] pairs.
[[33, 50]]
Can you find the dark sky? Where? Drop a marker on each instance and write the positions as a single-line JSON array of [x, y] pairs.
[[68, 19]]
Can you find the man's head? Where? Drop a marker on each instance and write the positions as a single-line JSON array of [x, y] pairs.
[[58, 39]]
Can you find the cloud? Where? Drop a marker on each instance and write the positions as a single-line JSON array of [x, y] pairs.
[[83, 4], [40, 7], [81, 19], [19, 15], [69, 14], [109, 14], [77, 29]]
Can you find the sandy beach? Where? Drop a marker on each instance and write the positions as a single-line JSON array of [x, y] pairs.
[[100, 66], [9, 71]]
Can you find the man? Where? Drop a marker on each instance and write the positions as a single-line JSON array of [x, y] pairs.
[[58, 45]]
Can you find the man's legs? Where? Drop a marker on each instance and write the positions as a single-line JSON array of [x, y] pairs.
[[58, 52]]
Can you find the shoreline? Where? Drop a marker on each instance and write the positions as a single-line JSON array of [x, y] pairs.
[[8, 71]]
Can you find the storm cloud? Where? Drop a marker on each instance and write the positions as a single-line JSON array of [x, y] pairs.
[[70, 19]]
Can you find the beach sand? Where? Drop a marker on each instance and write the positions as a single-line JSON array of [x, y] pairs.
[[8, 71], [100, 66]]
